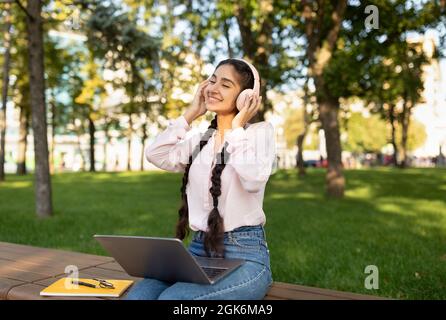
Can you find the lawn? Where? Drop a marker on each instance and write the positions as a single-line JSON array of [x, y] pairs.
[[393, 219]]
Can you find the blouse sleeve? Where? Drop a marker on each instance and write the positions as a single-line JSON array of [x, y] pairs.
[[169, 151], [252, 153]]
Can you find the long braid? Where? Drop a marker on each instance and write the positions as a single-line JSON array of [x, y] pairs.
[[182, 228], [213, 240]]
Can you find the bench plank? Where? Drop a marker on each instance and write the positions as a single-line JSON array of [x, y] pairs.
[[48, 259], [49, 253], [20, 274], [48, 269], [5, 285], [31, 291], [111, 266], [285, 290], [108, 274]]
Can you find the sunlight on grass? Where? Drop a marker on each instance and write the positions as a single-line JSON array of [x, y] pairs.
[[363, 192], [16, 184], [390, 207], [300, 195]]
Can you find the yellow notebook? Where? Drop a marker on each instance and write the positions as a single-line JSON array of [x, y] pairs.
[[64, 288]]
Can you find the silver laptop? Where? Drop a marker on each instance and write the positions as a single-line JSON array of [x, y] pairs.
[[165, 259]]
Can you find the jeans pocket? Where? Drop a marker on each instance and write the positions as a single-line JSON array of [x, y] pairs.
[[248, 242]]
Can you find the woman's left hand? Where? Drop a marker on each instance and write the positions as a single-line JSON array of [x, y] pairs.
[[248, 111]]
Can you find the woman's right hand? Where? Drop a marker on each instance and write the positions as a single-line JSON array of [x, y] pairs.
[[198, 105]]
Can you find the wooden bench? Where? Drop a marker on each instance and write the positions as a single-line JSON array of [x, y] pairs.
[[26, 270]]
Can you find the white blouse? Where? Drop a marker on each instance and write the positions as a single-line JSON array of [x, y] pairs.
[[252, 154]]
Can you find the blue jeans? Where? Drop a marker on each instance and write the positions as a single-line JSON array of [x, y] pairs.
[[250, 281]]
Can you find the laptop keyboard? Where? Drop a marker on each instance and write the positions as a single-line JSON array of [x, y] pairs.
[[213, 272]]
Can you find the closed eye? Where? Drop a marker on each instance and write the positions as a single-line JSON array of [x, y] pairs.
[[214, 82]]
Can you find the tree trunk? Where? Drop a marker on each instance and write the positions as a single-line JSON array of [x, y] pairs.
[[53, 134], [393, 134], [92, 130], [143, 143], [405, 122], [104, 162], [300, 158], [79, 146], [129, 143], [226, 25], [300, 139], [328, 113], [23, 136], [320, 48], [107, 139], [37, 97], [2, 141], [6, 67]]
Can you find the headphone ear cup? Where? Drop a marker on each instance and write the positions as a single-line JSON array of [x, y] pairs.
[[242, 97]]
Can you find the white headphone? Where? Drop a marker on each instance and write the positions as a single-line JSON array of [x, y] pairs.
[[245, 94]]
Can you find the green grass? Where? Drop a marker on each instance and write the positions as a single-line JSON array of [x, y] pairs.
[[394, 219]]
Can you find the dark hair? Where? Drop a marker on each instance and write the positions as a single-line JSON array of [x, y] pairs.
[[213, 239]]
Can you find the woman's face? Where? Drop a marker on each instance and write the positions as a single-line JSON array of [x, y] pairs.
[[222, 91]]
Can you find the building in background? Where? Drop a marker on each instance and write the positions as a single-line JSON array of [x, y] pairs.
[[431, 111]]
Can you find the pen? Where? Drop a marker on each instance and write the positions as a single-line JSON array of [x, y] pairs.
[[83, 284]]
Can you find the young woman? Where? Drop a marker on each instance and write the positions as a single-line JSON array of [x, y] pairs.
[[225, 173]]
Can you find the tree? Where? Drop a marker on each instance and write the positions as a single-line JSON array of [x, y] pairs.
[[109, 122], [22, 101], [412, 63], [91, 97], [294, 126], [5, 86], [309, 116], [57, 61], [161, 98], [387, 67], [416, 136], [322, 21], [396, 90], [114, 37], [339, 53], [364, 134], [261, 30], [74, 70], [20, 91], [38, 108]]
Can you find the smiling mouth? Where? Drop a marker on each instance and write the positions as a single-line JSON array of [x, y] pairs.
[[213, 100]]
